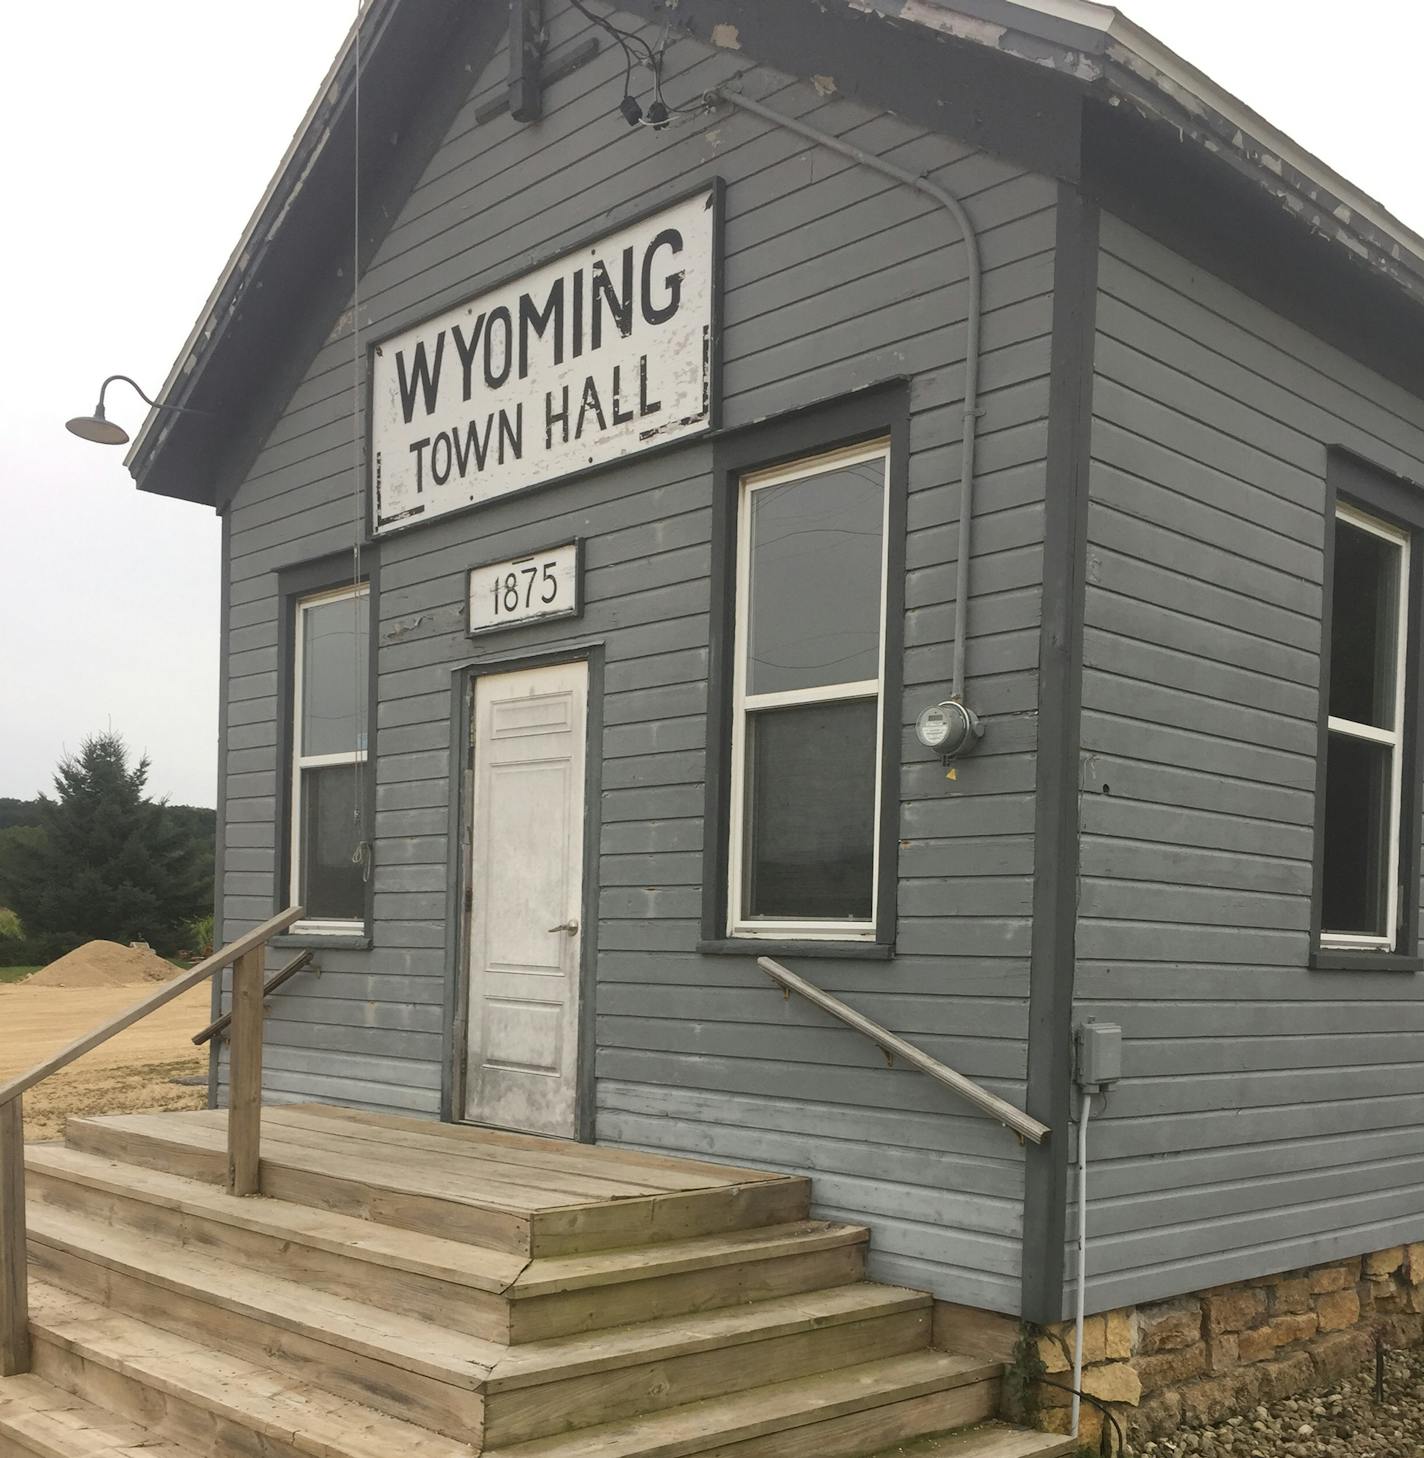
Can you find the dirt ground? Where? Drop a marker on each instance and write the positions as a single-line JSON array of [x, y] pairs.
[[132, 1073]]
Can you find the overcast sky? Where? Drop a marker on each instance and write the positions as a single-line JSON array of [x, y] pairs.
[[137, 139]]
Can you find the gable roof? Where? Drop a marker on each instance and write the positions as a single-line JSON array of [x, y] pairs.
[[303, 219]]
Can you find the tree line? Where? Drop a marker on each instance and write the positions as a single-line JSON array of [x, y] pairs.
[[101, 859]]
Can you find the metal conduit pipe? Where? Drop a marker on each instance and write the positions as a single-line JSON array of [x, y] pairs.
[[955, 209]]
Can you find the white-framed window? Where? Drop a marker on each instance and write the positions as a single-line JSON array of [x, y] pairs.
[[1364, 765], [808, 680], [329, 729]]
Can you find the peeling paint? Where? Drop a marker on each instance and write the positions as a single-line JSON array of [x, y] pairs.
[[825, 85], [727, 37], [950, 22], [404, 630], [932, 15]]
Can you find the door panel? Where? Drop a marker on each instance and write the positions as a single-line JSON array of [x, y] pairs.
[[526, 864]]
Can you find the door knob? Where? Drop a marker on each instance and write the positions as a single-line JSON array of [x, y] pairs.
[[569, 926]]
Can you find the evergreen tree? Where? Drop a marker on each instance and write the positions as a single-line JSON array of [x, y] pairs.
[[112, 864]]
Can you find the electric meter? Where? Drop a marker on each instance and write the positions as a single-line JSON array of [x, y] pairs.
[[950, 729]]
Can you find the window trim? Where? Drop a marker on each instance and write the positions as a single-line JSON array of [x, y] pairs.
[[745, 704], [1356, 488], [1393, 739], [300, 763], [872, 414], [298, 582]]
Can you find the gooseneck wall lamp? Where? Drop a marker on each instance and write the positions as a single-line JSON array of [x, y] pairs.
[[103, 431]]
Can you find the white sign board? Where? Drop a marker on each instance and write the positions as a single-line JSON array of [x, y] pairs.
[[542, 585], [602, 353]]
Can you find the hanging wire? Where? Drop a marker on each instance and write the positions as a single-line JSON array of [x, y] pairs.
[[361, 854], [652, 59]]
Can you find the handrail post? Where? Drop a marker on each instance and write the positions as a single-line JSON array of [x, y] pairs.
[[244, 1113], [14, 1293]]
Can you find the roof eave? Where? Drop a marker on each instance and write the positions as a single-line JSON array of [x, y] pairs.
[[1141, 72], [306, 146]]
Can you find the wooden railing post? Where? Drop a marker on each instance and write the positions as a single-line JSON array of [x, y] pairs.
[[244, 1113], [14, 1297]]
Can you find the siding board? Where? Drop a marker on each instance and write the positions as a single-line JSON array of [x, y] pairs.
[[834, 280], [1269, 1117]]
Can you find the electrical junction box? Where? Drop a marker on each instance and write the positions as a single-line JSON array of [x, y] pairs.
[[1098, 1047]]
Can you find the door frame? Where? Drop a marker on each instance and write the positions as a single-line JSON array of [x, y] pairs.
[[459, 871]]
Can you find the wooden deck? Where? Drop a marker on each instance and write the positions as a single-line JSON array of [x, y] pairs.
[[410, 1288], [512, 1192]]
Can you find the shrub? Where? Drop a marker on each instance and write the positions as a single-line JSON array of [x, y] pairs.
[[200, 934]]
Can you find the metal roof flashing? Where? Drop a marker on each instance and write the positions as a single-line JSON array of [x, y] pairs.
[[1113, 58]]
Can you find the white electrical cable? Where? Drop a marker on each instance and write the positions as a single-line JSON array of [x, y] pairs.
[[1084, 1110]]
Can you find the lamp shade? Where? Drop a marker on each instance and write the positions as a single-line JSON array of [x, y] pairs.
[[97, 427]]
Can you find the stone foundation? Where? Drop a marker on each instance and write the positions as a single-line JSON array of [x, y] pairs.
[[1198, 1359]]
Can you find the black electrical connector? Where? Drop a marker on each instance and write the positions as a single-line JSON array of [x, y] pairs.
[[632, 110], [658, 115]]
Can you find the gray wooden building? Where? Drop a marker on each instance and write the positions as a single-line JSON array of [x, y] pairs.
[[588, 565]]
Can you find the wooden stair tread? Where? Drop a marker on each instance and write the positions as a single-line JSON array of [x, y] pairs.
[[419, 1346], [728, 1326], [457, 1199], [383, 1336], [258, 1398], [719, 1422], [51, 1423], [661, 1170], [993, 1440], [331, 1155], [559, 1160], [459, 1262], [453, 1169], [549, 1275]]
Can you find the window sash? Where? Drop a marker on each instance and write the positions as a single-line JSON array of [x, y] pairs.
[[744, 704], [313, 925], [1391, 739]]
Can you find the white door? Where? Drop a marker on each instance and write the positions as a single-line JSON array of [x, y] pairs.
[[526, 899]]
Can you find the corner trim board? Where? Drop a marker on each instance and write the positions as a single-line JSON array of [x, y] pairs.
[[1056, 814], [215, 989]]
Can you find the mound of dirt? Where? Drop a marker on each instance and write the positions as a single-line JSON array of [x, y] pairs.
[[104, 964]]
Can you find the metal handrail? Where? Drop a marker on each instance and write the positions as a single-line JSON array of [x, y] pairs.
[[246, 955], [1022, 1124], [269, 987]]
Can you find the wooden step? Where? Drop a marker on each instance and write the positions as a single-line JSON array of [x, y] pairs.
[[565, 1295], [40, 1420], [185, 1397], [624, 1372], [486, 1293], [214, 1402], [847, 1413], [993, 1440], [457, 1185], [409, 1369], [448, 1282], [452, 1382]]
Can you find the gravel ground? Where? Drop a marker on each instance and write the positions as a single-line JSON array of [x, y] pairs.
[[1339, 1420]]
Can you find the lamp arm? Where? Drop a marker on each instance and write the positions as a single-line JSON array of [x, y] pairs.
[[156, 404]]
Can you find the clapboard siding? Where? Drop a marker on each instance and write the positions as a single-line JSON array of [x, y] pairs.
[[1269, 1115], [834, 279]]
